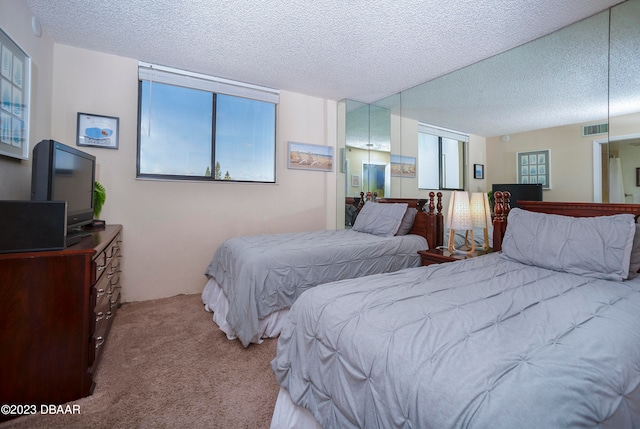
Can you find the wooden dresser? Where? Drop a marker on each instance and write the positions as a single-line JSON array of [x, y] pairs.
[[56, 308]]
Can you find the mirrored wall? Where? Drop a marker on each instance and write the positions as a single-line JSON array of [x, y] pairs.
[[574, 93]]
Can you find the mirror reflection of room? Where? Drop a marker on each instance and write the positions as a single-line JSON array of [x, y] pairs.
[[368, 150], [573, 93]]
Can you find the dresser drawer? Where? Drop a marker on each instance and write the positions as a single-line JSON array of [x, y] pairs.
[[114, 299], [107, 257], [102, 288], [106, 296], [113, 277], [104, 313]]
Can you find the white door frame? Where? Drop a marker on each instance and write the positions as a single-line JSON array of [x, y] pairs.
[[597, 162]]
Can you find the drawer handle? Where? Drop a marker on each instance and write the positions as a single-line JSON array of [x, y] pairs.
[[101, 267], [109, 315], [100, 292], [99, 316], [99, 341]]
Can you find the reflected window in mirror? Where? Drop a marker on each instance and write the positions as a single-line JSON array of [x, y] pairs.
[[441, 155]]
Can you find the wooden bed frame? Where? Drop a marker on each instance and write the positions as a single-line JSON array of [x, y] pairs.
[[429, 221], [502, 208]]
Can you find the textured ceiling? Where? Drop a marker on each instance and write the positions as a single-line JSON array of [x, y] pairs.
[[559, 79], [357, 49]]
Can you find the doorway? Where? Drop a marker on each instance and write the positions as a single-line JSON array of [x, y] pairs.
[[615, 161]]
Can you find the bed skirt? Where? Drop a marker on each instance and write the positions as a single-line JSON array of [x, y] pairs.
[[215, 301], [287, 415]]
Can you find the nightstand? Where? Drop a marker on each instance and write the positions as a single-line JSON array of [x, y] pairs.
[[439, 256]]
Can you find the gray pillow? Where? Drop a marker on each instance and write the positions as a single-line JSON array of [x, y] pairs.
[[380, 219], [407, 221], [591, 246], [634, 265]]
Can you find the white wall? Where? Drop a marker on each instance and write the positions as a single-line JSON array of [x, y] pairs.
[[172, 228]]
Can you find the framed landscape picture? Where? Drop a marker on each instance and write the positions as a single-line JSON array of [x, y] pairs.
[[403, 166], [305, 156]]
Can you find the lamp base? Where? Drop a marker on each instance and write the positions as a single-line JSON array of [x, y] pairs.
[[452, 240], [485, 243]]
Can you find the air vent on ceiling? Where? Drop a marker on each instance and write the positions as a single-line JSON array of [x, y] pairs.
[[592, 130]]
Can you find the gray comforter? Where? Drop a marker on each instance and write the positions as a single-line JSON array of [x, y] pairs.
[[265, 273], [482, 343]]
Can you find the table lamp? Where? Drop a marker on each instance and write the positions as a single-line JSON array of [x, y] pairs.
[[481, 215], [459, 218]]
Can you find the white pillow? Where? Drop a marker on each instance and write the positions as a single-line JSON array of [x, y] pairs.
[[591, 246], [380, 218]]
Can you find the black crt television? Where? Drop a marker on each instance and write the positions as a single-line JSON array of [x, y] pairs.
[[520, 192], [64, 173]]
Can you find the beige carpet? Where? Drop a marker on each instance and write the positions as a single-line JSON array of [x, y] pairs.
[[166, 365]]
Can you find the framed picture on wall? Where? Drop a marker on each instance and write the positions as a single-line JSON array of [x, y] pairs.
[[534, 167], [403, 166], [15, 86], [305, 156], [478, 171], [97, 131]]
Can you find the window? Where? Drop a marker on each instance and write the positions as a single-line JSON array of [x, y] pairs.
[[441, 158], [196, 127]]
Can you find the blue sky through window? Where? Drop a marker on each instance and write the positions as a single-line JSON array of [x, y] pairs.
[[245, 133], [176, 130]]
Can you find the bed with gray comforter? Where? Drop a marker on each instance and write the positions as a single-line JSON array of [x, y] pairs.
[[545, 334], [263, 274]]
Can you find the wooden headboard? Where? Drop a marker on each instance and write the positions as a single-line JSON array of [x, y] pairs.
[[429, 221], [502, 208]]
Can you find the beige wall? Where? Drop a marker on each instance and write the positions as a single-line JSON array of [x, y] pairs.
[[571, 160], [171, 228], [15, 20]]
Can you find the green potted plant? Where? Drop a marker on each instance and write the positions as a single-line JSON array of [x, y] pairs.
[[99, 197]]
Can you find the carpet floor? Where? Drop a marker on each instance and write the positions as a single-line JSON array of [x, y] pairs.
[[166, 365]]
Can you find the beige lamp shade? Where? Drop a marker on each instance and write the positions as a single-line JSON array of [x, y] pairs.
[[480, 211], [459, 218], [481, 214]]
